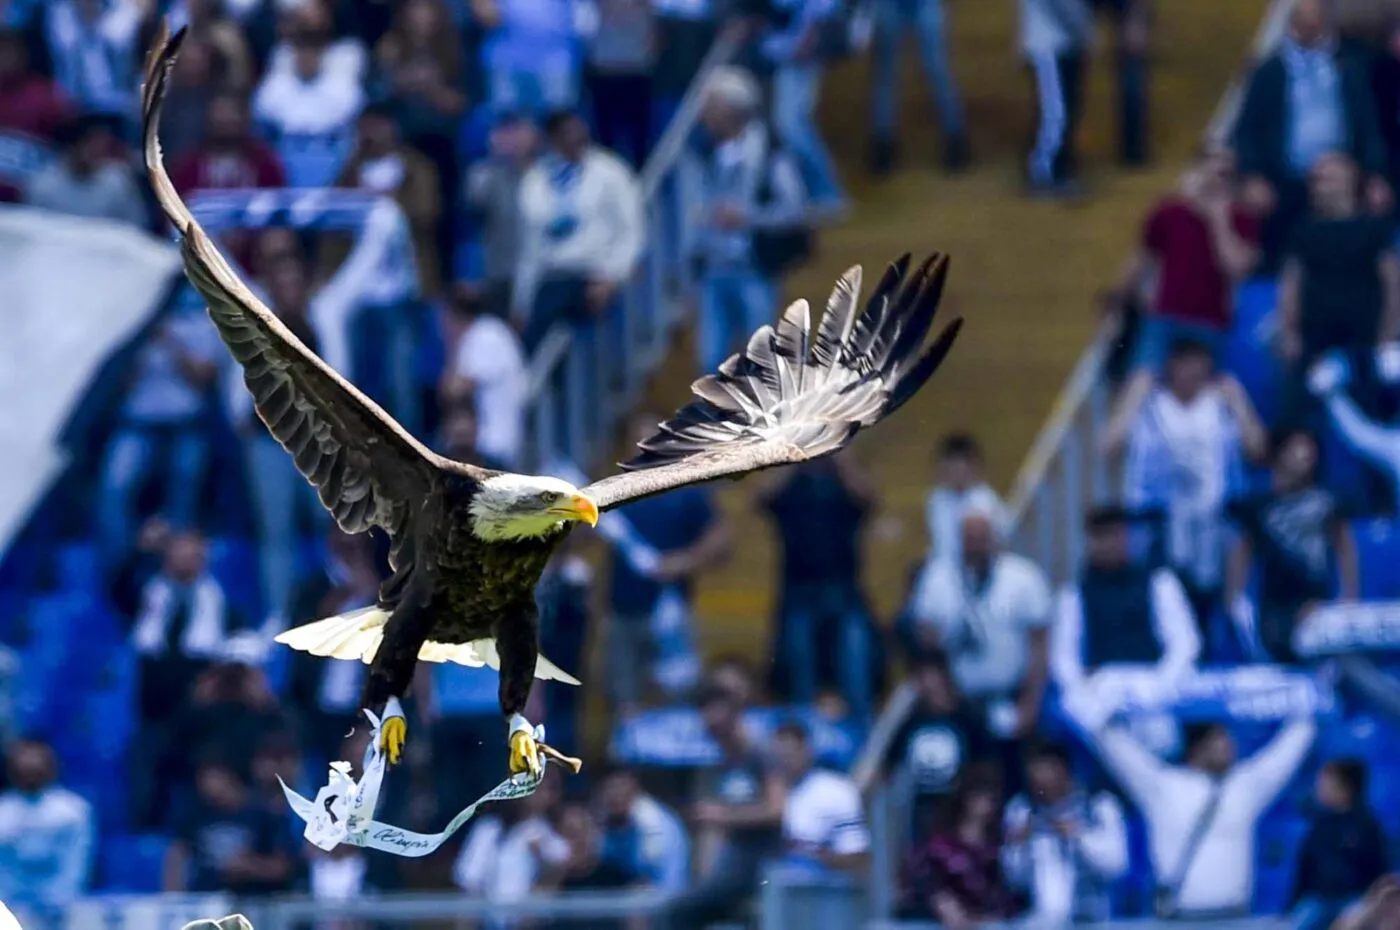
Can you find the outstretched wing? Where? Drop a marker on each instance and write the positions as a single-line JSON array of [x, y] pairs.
[[366, 468], [793, 395]]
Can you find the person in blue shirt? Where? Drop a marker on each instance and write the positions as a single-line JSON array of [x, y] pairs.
[[639, 829], [676, 536], [46, 836]]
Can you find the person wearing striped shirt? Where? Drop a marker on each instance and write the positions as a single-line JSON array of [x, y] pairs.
[[1186, 446]]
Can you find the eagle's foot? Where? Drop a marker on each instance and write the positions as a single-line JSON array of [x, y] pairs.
[[392, 735], [525, 755]]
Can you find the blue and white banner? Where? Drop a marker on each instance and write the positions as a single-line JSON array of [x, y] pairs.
[[76, 290], [1249, 692], [675, 737], [1338, 629], [321, 210]]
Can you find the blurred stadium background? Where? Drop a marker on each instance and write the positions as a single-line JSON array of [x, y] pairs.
[[1100, 629]]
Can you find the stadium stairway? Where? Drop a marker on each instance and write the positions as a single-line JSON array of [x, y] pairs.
[[1024, 272]]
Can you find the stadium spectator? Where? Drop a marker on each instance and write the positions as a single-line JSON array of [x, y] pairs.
[[753, 201], [487, 361], [181, 621], [1374, 440], [46, 837], [737, 820], [1201, 816], [592, 863], [990, 613], [195, 80], [1064, 846], [1302, 102], [421, 60], [960, 487], [345, 57], [229, 709], [492, 198], [734, 675], [621, 58], [1120, 613], [529, 53], [207, 21], [1340, 286], [582, 231], [1197, 243], [32, 110], [937, 743], [93, 48], [1132, 34], [684, 535], [955, 876], [927, 19], [1186, 444], [161, 429], [309, 107], [639, 828], [226, 841], [228, 155], [820, 510], [511, 850], [823, 823], [1295, 531], [85, 180], [685, 32], [326, 695], [382, 164], [1344, 852], [1055, 36], [792, 44]]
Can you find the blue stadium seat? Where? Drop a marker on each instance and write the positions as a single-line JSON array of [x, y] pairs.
[[234, 563], [1378, 554], [133, 862], [1247, 355], [1276, 855], [79, 568]]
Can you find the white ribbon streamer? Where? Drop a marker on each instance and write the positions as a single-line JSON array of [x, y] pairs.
[[343, 811]]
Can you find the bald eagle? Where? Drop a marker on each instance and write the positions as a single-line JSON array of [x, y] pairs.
[[468, 544]]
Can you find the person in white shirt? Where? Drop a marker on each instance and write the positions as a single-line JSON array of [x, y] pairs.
[[582, 230], [823, 816], [1201, 816], [990, 613], [487, 363], [1063, 845], [1185, 443], [46, 837], [310, 110], [960, 487], [508, 852]]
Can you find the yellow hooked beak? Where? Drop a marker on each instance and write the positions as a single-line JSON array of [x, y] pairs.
[[579, 507]]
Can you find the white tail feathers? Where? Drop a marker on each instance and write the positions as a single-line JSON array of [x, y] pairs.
[[357, 635]]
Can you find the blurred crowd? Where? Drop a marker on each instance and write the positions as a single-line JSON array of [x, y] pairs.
[[511, 135]]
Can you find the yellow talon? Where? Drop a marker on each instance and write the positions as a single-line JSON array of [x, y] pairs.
[[524, 755], [392, 737]]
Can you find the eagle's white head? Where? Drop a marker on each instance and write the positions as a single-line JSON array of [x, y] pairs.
[[527, 506]]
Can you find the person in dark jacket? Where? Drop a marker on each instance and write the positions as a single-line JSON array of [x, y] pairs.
[[1303, 101], [1385, 84], [1343, 853]]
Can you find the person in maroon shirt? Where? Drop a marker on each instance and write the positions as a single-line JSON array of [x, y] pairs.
[[954, 877], [31, 110], [1197, 243], [230, 155]]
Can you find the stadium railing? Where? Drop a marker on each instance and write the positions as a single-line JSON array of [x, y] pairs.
[[579, 393], [787, 904], [1063, 470]]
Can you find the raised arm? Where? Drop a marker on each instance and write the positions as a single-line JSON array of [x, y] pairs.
[[1267, 771]]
